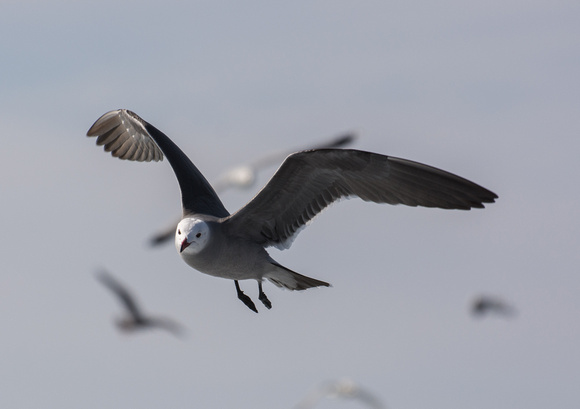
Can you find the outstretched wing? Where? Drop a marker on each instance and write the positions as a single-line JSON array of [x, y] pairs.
[[309, 181], [122, 293], [127, 136], [277, 157], [166, 324], [244, 176]]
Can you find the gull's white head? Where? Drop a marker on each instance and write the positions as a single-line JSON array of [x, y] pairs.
[[191, 234]]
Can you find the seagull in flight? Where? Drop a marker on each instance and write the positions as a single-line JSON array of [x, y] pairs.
[[233, 246], [135, 319], [244, 177], [341, 388], [484, 305]]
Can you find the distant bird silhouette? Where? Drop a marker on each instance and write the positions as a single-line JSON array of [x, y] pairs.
[[244, 177], [484, 305], [342, 388], [135, 319]]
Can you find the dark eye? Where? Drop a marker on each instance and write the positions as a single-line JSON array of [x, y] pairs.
[[178, 231], [198, 235]]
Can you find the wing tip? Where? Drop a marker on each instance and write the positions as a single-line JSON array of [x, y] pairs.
[[139, 150]]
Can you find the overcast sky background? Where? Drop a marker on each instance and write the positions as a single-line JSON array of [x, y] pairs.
[[487, 90]]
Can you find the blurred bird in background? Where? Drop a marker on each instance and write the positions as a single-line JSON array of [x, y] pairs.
[[135, 319], [340, 389], [484, 305]]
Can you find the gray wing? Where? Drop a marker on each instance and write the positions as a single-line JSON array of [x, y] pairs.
[[309, 181], [244, 176], [337, 142], [277, 157], [122, 293], [167, 324], [127, 136]]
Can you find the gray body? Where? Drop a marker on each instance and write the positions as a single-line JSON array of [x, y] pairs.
[[239, 259], [206, 244], [232, 246]]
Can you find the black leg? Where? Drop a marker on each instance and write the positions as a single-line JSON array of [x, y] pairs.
[[245, 299], [263, 297]]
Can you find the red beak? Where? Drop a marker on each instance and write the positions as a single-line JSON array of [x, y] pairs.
[[185, 244]]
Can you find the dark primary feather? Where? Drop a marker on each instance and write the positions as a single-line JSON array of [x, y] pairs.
[[130, 137], [309, 181], [122, 293], [336, 142]]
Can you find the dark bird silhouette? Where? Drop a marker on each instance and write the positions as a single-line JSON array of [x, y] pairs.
[[245, 176], [135, 319], [485, 305]]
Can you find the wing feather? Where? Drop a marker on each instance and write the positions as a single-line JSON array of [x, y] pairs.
[[127, 136], [122, 293], [309, 181]]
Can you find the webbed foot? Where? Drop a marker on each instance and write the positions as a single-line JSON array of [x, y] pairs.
[[262, 297], [244, 298]]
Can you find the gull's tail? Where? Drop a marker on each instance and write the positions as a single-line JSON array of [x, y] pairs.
[[286, 278]]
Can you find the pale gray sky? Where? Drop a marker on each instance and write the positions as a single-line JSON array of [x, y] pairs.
[[489, 91]]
